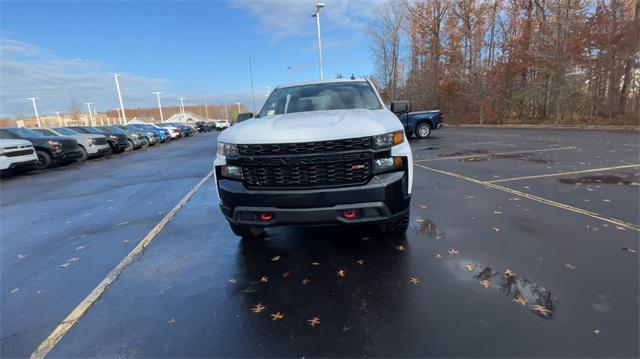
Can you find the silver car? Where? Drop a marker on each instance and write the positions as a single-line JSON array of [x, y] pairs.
[[91, 145]]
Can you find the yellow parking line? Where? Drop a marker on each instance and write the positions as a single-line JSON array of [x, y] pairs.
[[77, 313], [496, 154], [564, 173], [549, 202]]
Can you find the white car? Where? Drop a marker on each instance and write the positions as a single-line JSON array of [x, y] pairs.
[[222, 124], [173, 131], [318, 153], [17, 155], [91, 145]]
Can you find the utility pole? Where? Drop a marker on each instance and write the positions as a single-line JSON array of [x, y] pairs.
[[90, 113], [59, 120], [226, 110], [124, 117], [238, 103], [253, 95], [159, 105], [289, 71], [35, 109], [206, 109], [317, 16]]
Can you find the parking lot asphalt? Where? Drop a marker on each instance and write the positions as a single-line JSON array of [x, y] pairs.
[[522, 243]]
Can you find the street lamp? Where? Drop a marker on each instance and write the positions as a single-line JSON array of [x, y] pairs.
[[59, 120], [159, 105], [90, 113], [124, 117], [181, 107], [238, 103], [317, 16], [35, 108]]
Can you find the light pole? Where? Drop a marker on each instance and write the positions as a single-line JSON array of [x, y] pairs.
[[35, 108], [206, 108], [268, 91], [316, 14], [181, 107], [59, 120], [289, 71], [238, 103], [124, 117], [226, 110], [159, 105], [90, 113]]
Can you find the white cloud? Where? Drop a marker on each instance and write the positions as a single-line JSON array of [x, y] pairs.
[[28, 71], [292, 18]]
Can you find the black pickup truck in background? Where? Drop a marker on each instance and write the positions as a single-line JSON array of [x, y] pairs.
[[419, 123]]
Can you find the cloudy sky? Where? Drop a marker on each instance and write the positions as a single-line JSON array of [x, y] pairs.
[[64, 51]]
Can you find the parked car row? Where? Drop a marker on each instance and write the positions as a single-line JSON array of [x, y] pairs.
[[209, 126], [23, 149]]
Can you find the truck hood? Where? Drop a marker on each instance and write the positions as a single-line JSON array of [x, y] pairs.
[[14, 143], [312, 126], [88, 136]]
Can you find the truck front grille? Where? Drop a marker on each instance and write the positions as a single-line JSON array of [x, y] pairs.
[[100, 141], [350, 144], [19, 153], [307, 165]]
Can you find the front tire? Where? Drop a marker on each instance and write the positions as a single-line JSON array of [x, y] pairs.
[[130, 146], [423, 130], [246, 231], [44, 160], [84, 155], [397, 226]]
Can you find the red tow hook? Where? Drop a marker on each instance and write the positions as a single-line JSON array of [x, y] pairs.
[[350, 214], [265, 217]]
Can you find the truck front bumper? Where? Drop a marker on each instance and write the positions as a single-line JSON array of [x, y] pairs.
[[384, 197]]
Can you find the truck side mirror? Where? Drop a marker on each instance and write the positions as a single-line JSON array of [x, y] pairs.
[[244, 116], [400, 107]]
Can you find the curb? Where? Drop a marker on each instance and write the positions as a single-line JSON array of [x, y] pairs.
[[551, 127]]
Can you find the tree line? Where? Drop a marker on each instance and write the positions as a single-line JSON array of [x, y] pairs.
[[511, 61]]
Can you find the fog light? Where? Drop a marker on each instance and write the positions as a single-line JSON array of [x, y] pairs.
[[386, 164], [234, 172]]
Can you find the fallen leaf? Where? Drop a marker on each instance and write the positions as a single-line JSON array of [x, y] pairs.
[[420, 220], [79, 248], [509, 273], [275, 259], [521, 300], [74, 259], [541, 310], [596, 331], [315, 263], [277, 316], [306, 281], [365, 238], [264, 279], [471, 197], [65, 265], [232, 280], [629, 250], [454, 252], [15, 290], [422, 206], [621, 228], [267, 238], [497, 212], [606, 200], [414, 280], [258, 308], [314, 321], [438, 256], [125, 241], [496, 229], [470, 267], [122, 223], [360, 262], [172, 321], [286, 275], [400, 247], [485, 283], [341, 273], [570, 266], [22, 256]]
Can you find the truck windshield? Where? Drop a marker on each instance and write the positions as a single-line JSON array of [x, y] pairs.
[[321, 97]]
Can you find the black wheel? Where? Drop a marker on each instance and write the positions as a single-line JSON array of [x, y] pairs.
[[397, 226], [246, 231], [84, 156], [130, 146], [44, 160], [423, 130]]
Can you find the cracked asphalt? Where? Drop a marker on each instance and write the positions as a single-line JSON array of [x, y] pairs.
[[522, 243]]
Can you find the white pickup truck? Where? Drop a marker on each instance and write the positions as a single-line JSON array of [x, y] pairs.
[[326, 152], [17, 155]]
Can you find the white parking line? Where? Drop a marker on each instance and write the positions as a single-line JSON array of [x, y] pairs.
[[564, 173], [50, 342], [496, 154]]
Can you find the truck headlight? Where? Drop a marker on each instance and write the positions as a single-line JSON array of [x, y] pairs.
[[234, 172], [135, 136], [55, 145], [113, 137], [388, 139], [227, 149], [386, 164]]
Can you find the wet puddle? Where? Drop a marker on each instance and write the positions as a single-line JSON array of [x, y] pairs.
[[517, 156], [618, 178], [521, 290], [429, 229], [464, 153]]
